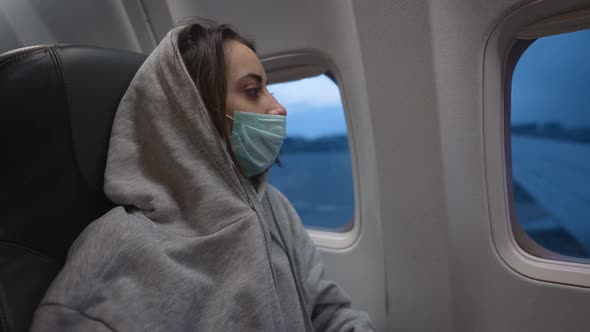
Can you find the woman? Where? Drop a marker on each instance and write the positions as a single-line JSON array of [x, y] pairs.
[[199, 241]]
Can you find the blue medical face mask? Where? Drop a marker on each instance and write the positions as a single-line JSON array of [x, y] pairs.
[[257, 139]]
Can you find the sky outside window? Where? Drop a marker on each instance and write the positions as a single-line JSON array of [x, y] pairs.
[[314, 107]]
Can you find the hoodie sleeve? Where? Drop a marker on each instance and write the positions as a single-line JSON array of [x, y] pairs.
[[328, 305]]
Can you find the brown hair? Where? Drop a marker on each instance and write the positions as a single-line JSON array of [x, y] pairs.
[[201, 46]]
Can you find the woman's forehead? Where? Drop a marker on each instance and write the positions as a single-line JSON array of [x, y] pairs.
[[242, 61]]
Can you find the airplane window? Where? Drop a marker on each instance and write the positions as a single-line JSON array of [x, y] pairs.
[[550, 142], [315, 169]]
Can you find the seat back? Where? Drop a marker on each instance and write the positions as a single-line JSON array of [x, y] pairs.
[[57, 105]]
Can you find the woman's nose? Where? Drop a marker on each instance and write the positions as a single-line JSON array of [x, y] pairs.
[[276, 108]]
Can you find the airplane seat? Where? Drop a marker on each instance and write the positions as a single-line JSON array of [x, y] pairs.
[[57, 105]]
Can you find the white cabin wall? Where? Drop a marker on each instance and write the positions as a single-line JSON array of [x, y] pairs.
[[487, 294], [396, 46], [262, 19], [88, 22]]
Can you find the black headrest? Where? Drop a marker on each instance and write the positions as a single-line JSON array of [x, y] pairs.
[[57, 105]]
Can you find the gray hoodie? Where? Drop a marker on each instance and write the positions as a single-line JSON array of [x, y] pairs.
[[193, 245]]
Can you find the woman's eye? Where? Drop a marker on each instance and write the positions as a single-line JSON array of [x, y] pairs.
[[253, 92]]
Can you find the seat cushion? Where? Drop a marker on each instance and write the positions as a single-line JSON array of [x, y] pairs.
[[57, 105]]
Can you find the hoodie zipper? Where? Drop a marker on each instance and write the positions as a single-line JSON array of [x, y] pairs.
[[298, 286], [257, 207]]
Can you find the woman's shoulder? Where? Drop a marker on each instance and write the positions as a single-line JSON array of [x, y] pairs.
[[276, 196], [284, 212], [101, 247], [104, 235], [281, 204]]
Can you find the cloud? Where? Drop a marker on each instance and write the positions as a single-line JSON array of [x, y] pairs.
[[307, 93]]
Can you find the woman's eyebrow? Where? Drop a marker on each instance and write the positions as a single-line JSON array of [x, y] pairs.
[[251, 76]]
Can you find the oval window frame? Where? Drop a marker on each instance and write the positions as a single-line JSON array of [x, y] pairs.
[[502, 50], [299, 65]]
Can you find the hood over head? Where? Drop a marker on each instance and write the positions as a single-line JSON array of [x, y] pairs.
[[166, 157]]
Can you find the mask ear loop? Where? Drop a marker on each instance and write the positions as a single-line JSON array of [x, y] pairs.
[[230, 117]]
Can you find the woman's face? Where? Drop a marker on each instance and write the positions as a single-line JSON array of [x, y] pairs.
[[246, 83]]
